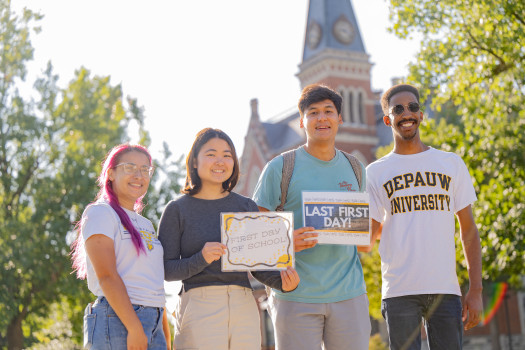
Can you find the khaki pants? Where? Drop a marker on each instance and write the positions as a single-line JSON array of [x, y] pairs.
[[217, 318], [344, 325]]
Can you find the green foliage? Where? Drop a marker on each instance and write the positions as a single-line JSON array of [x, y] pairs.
[[169, 173], [51, 148], [384, 150], [376, 343], [371, 263], [55, 330], [471, 66], [51, 159]]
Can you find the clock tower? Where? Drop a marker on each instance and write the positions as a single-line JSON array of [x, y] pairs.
[[334, 54]]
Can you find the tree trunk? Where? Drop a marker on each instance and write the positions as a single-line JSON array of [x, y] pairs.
[[15, 336]]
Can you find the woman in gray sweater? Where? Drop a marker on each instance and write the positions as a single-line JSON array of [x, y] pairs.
[[216, 310]]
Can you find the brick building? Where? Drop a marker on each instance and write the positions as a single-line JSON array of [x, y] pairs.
[[334, 54]]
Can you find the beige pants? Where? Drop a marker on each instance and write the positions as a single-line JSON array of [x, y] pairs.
[[217, 318], [344, 325]]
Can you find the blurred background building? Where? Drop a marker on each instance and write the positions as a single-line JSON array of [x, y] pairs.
[[334, 54]]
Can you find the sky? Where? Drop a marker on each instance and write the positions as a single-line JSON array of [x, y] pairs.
[[196, 64]]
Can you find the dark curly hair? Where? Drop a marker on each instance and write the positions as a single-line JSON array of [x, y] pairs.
[[314, 93], [385, 99]]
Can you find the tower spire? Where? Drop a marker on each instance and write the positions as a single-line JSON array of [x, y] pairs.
[[331, 24]]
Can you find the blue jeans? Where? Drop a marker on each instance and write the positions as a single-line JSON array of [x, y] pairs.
[[442, 319], [104, 330]]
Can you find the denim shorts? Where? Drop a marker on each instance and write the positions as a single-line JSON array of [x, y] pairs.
[[104, 330]]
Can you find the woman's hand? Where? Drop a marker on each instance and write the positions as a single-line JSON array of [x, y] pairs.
[[290, 279], [137, 339], [213, 251]]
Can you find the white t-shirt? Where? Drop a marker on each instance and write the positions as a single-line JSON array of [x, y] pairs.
[[416, 197], [143, 274]]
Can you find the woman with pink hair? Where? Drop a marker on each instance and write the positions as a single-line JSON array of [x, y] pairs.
[[118, 251]]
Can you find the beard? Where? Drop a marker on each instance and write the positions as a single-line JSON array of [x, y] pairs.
[[410, 136]]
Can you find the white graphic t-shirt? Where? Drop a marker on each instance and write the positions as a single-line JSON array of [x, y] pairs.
[[143, 274], [416, 197]]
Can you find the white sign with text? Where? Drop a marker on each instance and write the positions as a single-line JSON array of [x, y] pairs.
[[257, 241], [338, 217]]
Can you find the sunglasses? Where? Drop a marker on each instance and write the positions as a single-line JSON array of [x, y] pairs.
[[132, 168], [397, 110]]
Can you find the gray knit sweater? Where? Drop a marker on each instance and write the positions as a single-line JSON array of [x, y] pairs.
[[187, 223]]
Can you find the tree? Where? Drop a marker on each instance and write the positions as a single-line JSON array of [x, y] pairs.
[[50, 164], [371, 263], [472, 61], [55, 331], [166, 184], [51, 147]]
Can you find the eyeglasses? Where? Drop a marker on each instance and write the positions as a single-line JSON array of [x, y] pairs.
[[131, 169], [397, 110]]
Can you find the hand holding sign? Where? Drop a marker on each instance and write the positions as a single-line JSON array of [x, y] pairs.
[[304, 238], [213, 251], [290, 279]]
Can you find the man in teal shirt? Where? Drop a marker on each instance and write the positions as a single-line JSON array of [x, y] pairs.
[[330, 305]]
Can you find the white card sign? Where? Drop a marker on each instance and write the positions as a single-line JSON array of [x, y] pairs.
[[338, 217], [257, 241]]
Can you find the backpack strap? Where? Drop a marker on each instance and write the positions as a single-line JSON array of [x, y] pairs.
[[288, 165], [356, 166]]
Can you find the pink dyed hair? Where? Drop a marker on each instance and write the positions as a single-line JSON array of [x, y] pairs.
[[78, 251]]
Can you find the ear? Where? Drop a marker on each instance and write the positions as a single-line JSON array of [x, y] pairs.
[[301, 124], [340, 119], [111, 174], [386, 120]]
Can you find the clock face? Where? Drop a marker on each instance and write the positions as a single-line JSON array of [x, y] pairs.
[[344, 31], [314, 35]]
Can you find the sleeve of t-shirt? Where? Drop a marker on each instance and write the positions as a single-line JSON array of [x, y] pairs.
[[99, 220], [170, 232], [377, 212], [267, 193], [464, 193]]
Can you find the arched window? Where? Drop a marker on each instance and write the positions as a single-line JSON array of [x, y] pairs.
[[344, 108], [351, 107], [361, 108]]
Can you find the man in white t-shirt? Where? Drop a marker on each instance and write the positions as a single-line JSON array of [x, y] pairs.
[[415, 193]]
